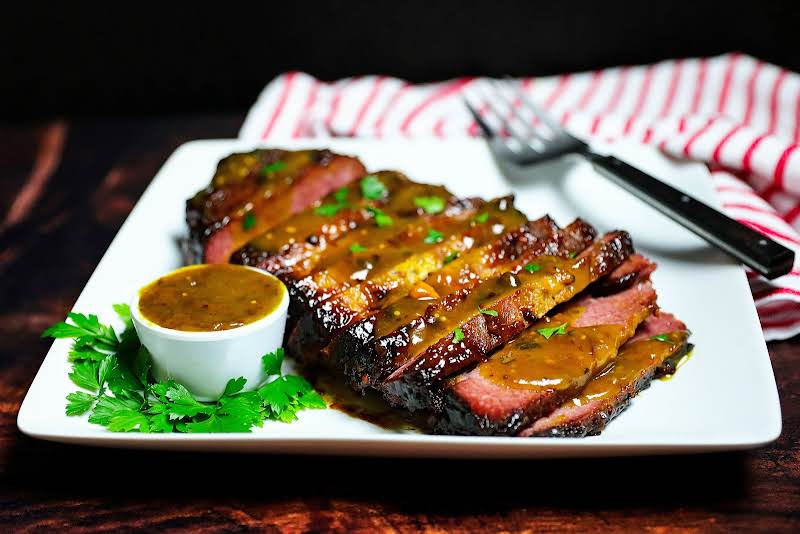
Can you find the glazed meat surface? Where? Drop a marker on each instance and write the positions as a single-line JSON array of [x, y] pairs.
[[459, 308]]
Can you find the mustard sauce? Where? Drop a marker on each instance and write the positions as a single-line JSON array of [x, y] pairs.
[[533, 361], [631, 362], [564, 359], [557, 280], [208, 298]]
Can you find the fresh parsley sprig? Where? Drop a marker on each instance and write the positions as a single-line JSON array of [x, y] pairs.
[[118, 392], [430, 205], [551, 331], [434, 236], [340, 203], [372, 188], [381, 218]]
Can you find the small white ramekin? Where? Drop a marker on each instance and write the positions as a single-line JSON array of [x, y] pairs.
[[205, 361]]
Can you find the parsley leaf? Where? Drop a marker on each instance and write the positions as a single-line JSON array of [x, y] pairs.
[[132, 402], [216, 423], [341, 195], [329, 210], [249, 221], [273, 167], [482, 217], [664, 338], [355, 247], [492, 313], [553, 330], [272, 362], [182, 402], [83, 351], [381, 219], [431, 205], [533, 268], [79, 403], [107, 407], [86, 329], [84, 375], [372, 188], [234, 386], [128, 420], [458, 335], [434, 236], [572, 254], [123, 311], [286, 395], [450, 257]]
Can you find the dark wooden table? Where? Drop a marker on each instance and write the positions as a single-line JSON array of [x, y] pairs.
[[68, 186]]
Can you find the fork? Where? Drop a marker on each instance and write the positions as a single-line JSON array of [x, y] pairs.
[[521, 143]]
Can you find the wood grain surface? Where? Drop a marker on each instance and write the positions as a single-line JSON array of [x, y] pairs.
[[65, 189]]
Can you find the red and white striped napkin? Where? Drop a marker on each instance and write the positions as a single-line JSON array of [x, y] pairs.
[[738, 114]]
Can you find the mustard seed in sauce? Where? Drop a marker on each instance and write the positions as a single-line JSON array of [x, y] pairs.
[[207, 298]]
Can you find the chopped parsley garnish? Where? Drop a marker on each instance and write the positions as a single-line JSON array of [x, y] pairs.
[[533, 268], [493, 313], [341, 195], [381, 219], [450, 257], [431, 205], [372, 188], [482, 217], [664, 338], [249, 221], [273, 167], [118, 390], [551, 331], [355, 247], [434, 236], [458, 335], [572, 254], [329, 210]]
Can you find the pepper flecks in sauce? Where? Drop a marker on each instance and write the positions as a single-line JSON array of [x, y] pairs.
[[631, 362], [534, 362], [558, 280], [207, 298], [562, 361]]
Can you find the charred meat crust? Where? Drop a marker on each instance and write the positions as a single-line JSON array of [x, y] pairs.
[[419, 319], [355, 350], [590, 414], [295, 247], [396, 254], [599, 419], [475, 404], [394, 275], [517, 310], [244, 186]]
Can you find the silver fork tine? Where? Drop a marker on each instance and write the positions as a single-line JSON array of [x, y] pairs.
[[482, 124], [505, 126], [760, 253], [543, 116], [526, 131]]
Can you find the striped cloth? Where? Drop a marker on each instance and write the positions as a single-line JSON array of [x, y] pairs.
[[739, 115]]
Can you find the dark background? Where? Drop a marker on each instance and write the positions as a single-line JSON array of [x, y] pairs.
[[70, 59], [134, 81]]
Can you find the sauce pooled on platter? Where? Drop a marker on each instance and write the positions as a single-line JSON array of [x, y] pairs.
[[208, 298]]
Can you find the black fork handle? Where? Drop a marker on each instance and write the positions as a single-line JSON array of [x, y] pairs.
[[757, 251]]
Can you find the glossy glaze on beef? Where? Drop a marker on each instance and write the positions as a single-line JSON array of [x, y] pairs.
[[254, 191], [534, 374], [355, 350], [439, 303], [659, 343]]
